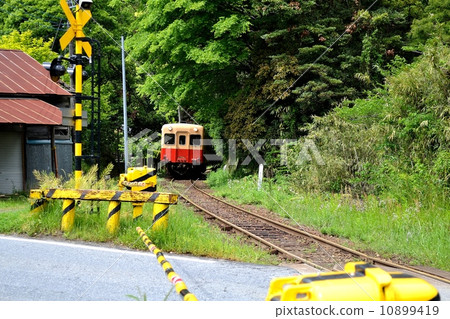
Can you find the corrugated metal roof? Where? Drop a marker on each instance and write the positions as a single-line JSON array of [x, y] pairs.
[[29, 111], [21, 74]]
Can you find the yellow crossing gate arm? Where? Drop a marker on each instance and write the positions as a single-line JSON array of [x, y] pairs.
[[173, 277]]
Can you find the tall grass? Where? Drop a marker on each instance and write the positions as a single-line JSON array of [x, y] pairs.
[[416, 232], [187, 233]]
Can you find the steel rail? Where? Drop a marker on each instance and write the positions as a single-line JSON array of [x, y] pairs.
[[328, 242], [246, 232]]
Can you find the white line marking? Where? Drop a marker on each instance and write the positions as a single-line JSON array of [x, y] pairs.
[[111, 250]]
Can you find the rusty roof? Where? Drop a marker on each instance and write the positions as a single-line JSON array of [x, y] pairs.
[[21, 74], [29, 111]]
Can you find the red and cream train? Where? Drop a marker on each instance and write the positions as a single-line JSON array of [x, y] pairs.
[[182, 149]]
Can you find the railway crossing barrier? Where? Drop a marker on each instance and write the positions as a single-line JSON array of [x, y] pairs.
[[141, 179], [161, 203], [173, 277], [359, 281]]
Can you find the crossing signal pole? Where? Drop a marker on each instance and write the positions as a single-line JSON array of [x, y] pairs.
[[77, 22]]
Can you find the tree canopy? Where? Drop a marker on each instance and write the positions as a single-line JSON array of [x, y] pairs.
[[242, 68]]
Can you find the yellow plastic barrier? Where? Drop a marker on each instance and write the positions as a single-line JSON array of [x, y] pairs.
[[141, 179], [359, 282], [173, 277]]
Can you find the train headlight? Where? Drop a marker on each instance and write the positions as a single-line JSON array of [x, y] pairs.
[[170, 128], [195, 129]]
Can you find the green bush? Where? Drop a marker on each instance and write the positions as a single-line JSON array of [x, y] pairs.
[[394, 142]]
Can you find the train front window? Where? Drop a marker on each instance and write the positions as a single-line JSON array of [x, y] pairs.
[[195, 139], [182, 140], [169, 139]]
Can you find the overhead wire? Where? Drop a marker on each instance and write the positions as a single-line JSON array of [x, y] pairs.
[[312, 64]]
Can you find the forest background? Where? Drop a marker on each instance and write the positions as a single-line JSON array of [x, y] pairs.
[[366, 81]]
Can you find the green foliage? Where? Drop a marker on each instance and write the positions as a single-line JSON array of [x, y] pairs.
[[37, 48], [395, 141], [44, 18], [88, 180], [192, 48], [434, 23]]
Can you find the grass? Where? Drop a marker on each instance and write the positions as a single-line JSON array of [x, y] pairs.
[[416, 232], [187, 233]]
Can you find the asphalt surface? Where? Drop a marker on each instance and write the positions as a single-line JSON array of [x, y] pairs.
[[49, 270]]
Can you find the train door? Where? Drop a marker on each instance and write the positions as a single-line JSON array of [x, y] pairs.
[[182, 149], [195, 144]]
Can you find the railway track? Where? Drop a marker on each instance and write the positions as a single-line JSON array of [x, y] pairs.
[[292, 242]]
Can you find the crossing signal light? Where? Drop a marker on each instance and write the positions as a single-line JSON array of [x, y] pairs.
[[71, 71], [55, 68]]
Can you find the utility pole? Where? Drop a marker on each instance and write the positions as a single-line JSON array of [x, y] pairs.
[[125, 117]]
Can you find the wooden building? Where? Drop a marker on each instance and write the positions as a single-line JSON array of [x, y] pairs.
[[32, 134]]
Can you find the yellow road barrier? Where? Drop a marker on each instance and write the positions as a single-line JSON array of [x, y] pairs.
[[161, 201], [104, 195], [173, 277]]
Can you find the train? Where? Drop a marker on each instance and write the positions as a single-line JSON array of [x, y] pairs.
[[182, 150]]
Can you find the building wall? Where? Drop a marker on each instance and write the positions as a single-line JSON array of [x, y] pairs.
[[39, 153], [11, 162], [23, 150]]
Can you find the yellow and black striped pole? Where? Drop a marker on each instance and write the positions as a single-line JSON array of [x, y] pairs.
[[77, 22], [38, 206], [173, 277], [78, 105], [68, 215], [112, 224], [137, 210], [160, 216]]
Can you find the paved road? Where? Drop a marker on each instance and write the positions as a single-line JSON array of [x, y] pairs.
[[51, 270], [33, 269]]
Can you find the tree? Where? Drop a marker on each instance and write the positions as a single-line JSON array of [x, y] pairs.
[[193, 49], [37, 48], [44, 18], [306, 57], [435, 23]]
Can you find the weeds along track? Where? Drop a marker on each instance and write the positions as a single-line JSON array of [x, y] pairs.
[[290, 242]]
